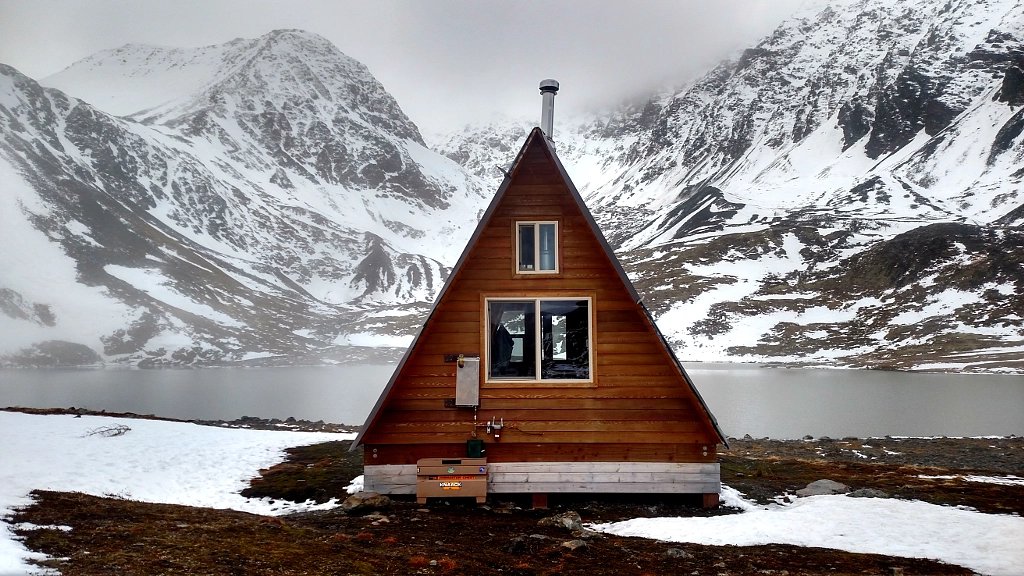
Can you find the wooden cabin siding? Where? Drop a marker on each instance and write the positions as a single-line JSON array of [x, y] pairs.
[[637, 406], [535, 452], [544, 477]]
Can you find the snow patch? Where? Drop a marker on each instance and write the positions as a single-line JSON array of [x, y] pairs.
[[987, 543], [155, 284], [356, 485], [374, 340], [155, 461]]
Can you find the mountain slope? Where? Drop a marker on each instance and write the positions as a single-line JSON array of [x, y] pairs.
[[263, 214], [852, 126], [847, 191], [837, 97]]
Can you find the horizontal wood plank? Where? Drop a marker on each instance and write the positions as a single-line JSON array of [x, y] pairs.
[[434, 346], [459, 301], [548, 414], [506, 274], [562, 477], [448, 314], [487, 402], [631, 327], [620, 301], [604, 487], [531, 212], [602, 477], [382, 487], [639, 346], [433, 365], [671, 397], [524, 189], [660, 387], [391, 470], [577, 467], [631, 359], [578, 437], [535, 452], [516, 428], [602, 287], [546, 178], [446, 325], [562, 201]]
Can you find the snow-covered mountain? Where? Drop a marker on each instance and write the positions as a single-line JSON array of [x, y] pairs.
[[848, 190], [260, 198]]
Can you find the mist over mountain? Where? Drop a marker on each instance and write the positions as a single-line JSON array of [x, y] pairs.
[[265, 207], [847, 191]]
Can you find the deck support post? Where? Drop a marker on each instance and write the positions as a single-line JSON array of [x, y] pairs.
[[710, 501], [540, 501]]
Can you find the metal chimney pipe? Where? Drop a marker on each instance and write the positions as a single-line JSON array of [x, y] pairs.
[[548, 89]]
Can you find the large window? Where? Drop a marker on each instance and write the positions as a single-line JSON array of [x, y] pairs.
[[537, 247], [538, 339]]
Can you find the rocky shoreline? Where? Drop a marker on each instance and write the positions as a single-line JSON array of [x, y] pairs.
[[251, 422]]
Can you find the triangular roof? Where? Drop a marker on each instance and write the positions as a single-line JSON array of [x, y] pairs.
[[535, 136]]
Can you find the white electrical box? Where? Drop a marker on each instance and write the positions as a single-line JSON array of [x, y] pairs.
[[467, 381]]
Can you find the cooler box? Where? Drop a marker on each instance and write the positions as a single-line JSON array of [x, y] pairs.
[[451, 478]]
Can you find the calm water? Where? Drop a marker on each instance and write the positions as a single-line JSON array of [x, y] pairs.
[[775, 402], [789, 403], [340, 394]]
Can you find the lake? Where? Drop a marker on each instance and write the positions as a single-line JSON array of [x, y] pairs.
[[793, 402], [746, 399]]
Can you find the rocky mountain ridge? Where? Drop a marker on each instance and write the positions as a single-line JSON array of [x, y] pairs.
[[846, 192], [740, 203], [270, 213]]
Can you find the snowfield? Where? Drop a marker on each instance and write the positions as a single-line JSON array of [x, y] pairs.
[[182, 463], [156, 461], [987, 543]]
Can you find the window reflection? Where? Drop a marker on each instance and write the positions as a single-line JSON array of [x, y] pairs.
[[526, 247], [563, 348], [547, 246], [513, 339], [566, 341]]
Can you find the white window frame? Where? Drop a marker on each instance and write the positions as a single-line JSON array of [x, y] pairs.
[[538, 341], [536, 247]]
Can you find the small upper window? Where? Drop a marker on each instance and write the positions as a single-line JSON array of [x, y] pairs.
[[537, 247]]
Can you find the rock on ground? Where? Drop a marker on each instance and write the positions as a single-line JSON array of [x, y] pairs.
[[569, 520], [364, 502], [574, 544], [677, 553], [868, 493], [821, 487]]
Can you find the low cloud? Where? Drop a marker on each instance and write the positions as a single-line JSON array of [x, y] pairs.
[[446, 62]]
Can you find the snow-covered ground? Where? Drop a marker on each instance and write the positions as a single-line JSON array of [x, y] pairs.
[[987, 543], [155, 461], [183, 463]]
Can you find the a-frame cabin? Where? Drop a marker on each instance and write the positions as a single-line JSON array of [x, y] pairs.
[[565, 378]]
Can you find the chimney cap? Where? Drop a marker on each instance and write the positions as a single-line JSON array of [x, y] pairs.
[[549, 85]]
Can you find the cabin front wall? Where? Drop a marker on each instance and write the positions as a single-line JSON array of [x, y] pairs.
[[636, 415]]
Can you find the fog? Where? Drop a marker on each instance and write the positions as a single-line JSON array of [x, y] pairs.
[[447, 62]]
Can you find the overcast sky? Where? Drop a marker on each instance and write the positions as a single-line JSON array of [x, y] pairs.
[[446, 62]]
